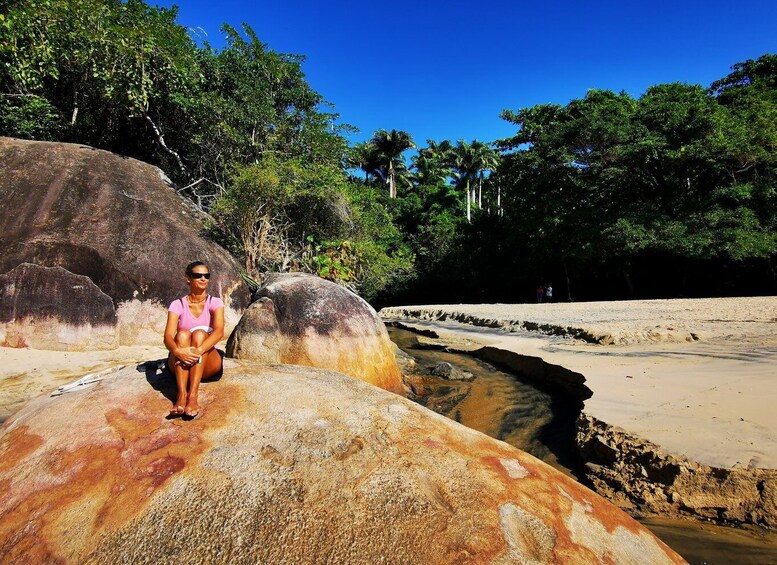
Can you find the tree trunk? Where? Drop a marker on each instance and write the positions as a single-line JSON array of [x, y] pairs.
[[569, 286], [499, 201], [75, 110], [469, 204], [391, 183], [161, 139], [682, 285], [480, 190]]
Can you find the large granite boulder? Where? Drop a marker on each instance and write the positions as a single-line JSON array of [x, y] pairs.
[[301, 319], [44, 305], [114, 220], [286, 465]]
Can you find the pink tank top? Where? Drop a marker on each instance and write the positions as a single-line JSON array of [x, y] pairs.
[[186, 321]]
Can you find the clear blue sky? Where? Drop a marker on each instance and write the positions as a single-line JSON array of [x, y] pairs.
[[445, 69]]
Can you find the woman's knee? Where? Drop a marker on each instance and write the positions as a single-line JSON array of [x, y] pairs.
[[198, 336], [183, 338]]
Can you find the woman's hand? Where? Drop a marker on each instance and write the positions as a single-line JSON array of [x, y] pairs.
[[187, 355]]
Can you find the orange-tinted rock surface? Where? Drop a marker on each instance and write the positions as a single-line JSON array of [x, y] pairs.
[[286, 465], [302, 319], [114, 220]]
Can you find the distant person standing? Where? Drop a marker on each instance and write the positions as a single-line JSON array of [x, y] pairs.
[[540, 293], [549, 293]]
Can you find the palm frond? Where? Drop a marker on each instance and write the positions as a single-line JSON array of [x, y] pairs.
[[253, 284]]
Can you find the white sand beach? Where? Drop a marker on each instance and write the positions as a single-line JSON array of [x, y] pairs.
[[710, 397]]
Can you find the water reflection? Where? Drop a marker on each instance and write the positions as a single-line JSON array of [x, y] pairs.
[[497, 403]]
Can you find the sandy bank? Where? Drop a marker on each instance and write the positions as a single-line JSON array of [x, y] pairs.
[[622, 323], [710, 398]]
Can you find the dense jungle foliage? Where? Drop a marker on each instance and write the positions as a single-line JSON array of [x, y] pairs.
[[609, 196]]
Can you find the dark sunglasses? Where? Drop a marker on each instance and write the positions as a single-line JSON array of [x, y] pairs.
[[205, 276]]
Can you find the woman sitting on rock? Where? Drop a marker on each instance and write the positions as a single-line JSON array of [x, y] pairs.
[[195, 324]]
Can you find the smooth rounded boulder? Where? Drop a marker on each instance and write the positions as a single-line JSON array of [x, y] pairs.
[[302, 319], [44, 305], [286, 465], [118, 222]]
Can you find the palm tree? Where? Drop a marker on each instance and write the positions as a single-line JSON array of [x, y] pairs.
[[462, 160], [431, 165], [471, 161], [364, 156], [389, 146], [485, 159], [440, 150]]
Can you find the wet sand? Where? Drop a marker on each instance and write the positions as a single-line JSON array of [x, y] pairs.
[[710, 399]]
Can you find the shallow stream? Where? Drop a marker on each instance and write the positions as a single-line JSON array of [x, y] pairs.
[[541, 422], [499, 404]]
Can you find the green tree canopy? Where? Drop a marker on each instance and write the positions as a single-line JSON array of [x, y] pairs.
[[608, 178], [240, 128]]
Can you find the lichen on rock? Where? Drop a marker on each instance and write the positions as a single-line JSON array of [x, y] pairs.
[[286, 465]]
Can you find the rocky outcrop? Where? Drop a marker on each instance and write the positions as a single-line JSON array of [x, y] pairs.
[[445, 370], [508, 325], [301, 319], [113, 220], [638, 475], [286, 465], [52, 304]]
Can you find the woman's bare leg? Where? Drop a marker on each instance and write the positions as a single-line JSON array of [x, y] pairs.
[[182, 373], [213, 364], [195, 376]]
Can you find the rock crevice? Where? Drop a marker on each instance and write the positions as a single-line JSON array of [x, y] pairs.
[[586, 334]]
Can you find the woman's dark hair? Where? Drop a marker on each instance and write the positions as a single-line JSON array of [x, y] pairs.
[[191, 266]]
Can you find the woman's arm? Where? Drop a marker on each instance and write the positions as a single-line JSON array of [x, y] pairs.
[[171, 328], [217, 321], [184, 354]]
